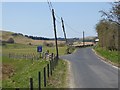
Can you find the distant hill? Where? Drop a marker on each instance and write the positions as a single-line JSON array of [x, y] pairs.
[[17, 38], [24, 39]]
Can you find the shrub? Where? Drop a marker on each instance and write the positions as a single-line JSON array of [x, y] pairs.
[[10, 40], [61, 44], [30, 44], [48, 44]]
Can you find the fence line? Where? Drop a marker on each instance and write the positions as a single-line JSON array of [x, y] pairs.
[[31, 83], [50, 67], [32, 56], [47, 71], [39, 80]]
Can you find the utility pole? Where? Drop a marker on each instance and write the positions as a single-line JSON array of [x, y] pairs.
[[83, 39], [57, 56], [64, 30]]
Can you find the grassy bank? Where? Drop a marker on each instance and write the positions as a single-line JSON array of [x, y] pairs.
[[59, 78], [107, 54], [16, 72], [21, 70]]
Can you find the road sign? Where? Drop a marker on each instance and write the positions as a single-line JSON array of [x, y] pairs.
[[39, 49]]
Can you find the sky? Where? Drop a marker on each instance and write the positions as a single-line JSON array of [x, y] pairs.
[[35, 18]]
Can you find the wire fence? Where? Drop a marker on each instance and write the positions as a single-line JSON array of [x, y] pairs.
[[32, 56], [43, 75], [47, 73]]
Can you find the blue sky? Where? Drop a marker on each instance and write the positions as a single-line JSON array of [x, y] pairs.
[[34, 18]]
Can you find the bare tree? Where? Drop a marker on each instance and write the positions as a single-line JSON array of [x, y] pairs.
[[114, 14]]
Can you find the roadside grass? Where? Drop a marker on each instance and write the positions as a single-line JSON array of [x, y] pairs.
[[59, 77], [110, 55], [24, 69], [71, 49]]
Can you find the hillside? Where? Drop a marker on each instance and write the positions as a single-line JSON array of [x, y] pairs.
[[19, 38]]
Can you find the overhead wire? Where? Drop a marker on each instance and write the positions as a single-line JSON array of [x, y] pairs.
[[71, 28], [59, 19], [51, 4], [50, 7]]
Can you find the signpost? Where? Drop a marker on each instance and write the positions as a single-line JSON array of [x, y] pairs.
[[39, 49]]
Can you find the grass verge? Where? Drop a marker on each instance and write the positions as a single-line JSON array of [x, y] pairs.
[[59, 77], [21, 71], [111, 56]]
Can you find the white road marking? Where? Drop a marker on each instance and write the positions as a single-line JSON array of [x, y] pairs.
[[108, 63], [100, 58]]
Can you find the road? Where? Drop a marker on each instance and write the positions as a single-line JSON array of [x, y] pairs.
[[88, 71]]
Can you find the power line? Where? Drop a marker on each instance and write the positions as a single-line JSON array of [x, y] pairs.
[[50, 8], [58, 19], [57, 16], [75, 31], [51, 4]]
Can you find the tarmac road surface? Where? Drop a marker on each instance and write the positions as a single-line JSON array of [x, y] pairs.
[[88, 71]]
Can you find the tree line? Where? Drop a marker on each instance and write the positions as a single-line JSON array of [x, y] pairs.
[[44, 38], [108, 28], [31, 37]]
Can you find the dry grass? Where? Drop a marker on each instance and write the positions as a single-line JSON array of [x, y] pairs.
[[7, 71], [5, 35], [38, 42]]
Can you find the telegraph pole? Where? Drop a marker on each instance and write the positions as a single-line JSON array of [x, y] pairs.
[[83, 39], [55, 33], [64, 30]]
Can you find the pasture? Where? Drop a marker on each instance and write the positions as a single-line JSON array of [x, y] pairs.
[[16, 72], [29, 49]]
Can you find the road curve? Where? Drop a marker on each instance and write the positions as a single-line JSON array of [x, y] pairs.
[[88, 71]]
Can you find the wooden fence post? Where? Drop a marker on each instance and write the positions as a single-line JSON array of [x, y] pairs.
[[31, 84], [39, 81], [51, 67], [44, 77], [17, 89], [43, 55], [52, 64], [9, 55], [48, 70], [56, 61], [40, 55]]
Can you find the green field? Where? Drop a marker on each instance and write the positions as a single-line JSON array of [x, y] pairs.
[[29, 49], [16, 72], [110, 55], [23, 70]]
